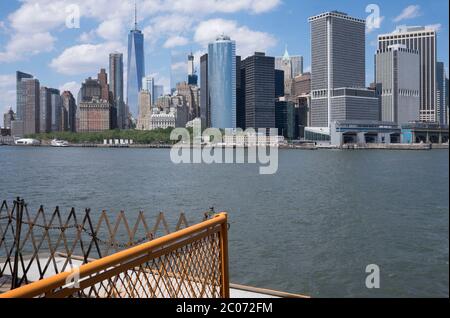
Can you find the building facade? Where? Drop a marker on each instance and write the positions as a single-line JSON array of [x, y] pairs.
[[8, 117], [292, 66], [45, 111], [337, 68], [94, 116], [116, 87], [441, 92], [70, 111], [204, 92], [145, 110], [423, 40], [397, 73], [222, 82], [28, 104], [136, 69], [258, 76]]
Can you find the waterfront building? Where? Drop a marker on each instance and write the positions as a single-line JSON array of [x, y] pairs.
[[136, 67], [364, 132], [205, 112], [258, 76], [423, 40], [28, 104], [8, 117], [145, 110], [338, 89], [56, 110], [116, 86], [70, 111], [287, 119], [441, 92], [222, 82], [20, 95], [162, 120], [397, 75], [292, 66], [45, 111], [421, 132]]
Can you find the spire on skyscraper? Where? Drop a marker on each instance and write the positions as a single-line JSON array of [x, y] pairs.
[[135, 14]]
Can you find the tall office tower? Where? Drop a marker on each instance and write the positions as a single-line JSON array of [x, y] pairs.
[[21, 97], [292, 67], [204, 93], [423, 40], [45, 111], [338, 70], [148, 84], [192, 76], [397, 76], [259, 91], [222, 82], [447, 91], [136, 68], [103, 80], [441, 106], [116, 86], [145, 109], [28, 104], [279, 83], [240, 94], [56, 109], [70, 110]]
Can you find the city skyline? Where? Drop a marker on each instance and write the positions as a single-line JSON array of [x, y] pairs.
[[52, 72]]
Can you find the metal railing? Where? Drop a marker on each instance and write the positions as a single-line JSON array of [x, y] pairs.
[[190, 263]]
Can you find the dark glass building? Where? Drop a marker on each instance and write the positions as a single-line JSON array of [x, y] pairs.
[[204, 95]]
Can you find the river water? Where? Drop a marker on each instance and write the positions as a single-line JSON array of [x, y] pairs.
[[311, 228]]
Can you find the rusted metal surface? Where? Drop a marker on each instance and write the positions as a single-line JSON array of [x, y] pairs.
[[189, 263]]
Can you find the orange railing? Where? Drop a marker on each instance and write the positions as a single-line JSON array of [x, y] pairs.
[[190, 263]]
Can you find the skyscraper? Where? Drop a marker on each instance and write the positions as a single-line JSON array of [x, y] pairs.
[[192, 76], [136, 67], [70, 107], [292, 67], [259, 91], [338, 70], [397, 72], [20, 103], [45, 116], [116, 87], [222, 82], [56, 109], [148, 84], [423, 40], [441, 93], [204, 92]]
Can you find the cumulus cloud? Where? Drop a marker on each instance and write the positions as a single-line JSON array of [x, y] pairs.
[[72, 87], [248, 41], [85, 58], [27, 44], [410, 12], [175, 41]]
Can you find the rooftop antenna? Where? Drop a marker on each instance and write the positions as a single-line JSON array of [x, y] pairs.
[[135, 14]]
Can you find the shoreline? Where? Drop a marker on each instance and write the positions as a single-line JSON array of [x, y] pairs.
[[306, 146]]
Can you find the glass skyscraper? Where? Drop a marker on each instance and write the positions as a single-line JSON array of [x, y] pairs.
[[116, 86], [222, 82], [136, 68]]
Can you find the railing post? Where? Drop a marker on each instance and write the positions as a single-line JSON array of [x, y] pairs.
[[19, 214], [225, 292]]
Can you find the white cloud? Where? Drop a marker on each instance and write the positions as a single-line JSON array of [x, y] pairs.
[[72, 87], [175, 41], [247, 40], [85, 58], [111, 30], [27, 44], [437, 27], [410, 12]]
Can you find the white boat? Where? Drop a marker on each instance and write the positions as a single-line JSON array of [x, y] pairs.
[[27, 142], [59, 143]]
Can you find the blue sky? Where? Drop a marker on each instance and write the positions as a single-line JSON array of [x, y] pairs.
[[34, 37]]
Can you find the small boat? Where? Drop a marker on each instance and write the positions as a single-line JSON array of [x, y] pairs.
[[27, 142], [59, 143]]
